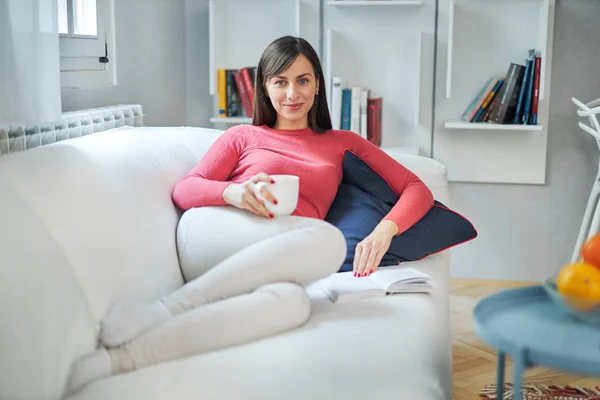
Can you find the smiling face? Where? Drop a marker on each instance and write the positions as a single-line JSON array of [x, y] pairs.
[[292, 94]]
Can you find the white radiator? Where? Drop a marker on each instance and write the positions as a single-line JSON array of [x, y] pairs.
[[72, 124]]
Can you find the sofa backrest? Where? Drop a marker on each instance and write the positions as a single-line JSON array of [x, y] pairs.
[[430, 171], [86, 222]]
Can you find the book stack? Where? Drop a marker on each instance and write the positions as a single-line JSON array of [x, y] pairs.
[[354, 110], [235, 89], [511, 98]]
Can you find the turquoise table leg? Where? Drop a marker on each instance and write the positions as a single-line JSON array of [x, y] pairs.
[[518, 369], [500, 375]]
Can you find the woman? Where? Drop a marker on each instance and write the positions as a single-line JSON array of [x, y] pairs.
[[252, 286]]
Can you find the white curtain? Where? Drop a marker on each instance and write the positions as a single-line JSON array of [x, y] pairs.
[[29, 62]]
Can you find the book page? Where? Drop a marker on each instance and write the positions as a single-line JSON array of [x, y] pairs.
[[388, 276], [341, 287], [346, 282], [415, 287]]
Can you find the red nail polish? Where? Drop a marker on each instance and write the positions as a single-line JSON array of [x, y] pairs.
[[272, 181], [275, 202], [271, 215]]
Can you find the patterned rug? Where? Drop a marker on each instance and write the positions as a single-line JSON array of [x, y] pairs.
[[543, 392]]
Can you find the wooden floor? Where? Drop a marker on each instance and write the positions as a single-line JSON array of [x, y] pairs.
[[474, 363]]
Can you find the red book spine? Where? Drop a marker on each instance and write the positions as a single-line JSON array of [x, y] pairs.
[[536, 86], [243, 94], [371, 114], [377, 117], [248, 85]]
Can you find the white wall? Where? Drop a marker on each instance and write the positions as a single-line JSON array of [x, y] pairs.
[[151, 57], [528, 232]]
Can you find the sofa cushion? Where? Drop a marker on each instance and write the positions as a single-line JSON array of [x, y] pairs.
[[364, 198], [397, 347]]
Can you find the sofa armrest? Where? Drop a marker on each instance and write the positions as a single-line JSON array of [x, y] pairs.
[[433, 173]]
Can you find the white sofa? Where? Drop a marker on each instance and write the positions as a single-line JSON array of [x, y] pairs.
[[89, 221]]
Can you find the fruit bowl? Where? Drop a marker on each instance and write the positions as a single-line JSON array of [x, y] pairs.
[[586, 310]]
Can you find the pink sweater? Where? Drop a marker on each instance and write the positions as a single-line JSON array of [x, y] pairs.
[[245, 150]]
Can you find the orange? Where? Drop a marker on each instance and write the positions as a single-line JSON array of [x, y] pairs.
[[581, 282], [590, 251]]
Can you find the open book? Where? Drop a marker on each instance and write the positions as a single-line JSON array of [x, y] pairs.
[[344, 286]]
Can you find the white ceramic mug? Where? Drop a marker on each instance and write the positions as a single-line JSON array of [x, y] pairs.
[[285, 190]]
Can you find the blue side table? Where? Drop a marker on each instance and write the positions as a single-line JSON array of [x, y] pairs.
[[527, 325]]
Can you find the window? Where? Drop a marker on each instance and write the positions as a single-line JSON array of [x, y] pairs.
[[86, 48]]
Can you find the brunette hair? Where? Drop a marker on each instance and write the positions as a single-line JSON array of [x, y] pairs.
[[276, 58]]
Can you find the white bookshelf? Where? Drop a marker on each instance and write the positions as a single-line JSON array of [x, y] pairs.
[[387, 46], [539, 34], [240, 30], [491, 127], [482, 38], [388, 50], [356, 38]]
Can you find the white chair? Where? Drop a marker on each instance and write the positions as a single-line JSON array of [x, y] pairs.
[[591, 217]]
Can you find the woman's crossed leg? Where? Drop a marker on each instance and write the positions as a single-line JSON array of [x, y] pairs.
[[254, 290]]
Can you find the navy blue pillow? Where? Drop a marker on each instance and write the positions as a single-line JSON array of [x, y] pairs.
[[364, 198]]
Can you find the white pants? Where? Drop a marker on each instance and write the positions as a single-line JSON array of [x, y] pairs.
[[245, 276]]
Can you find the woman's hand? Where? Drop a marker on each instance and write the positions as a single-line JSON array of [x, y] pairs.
[[371, 249], [241, 195]]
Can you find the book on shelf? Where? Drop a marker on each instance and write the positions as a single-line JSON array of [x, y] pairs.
[[353, 108], [344, 286], [469, 113], [536, 91], [504, 109], [511, 98], [235, 90], [374, 113], [336, 102]]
